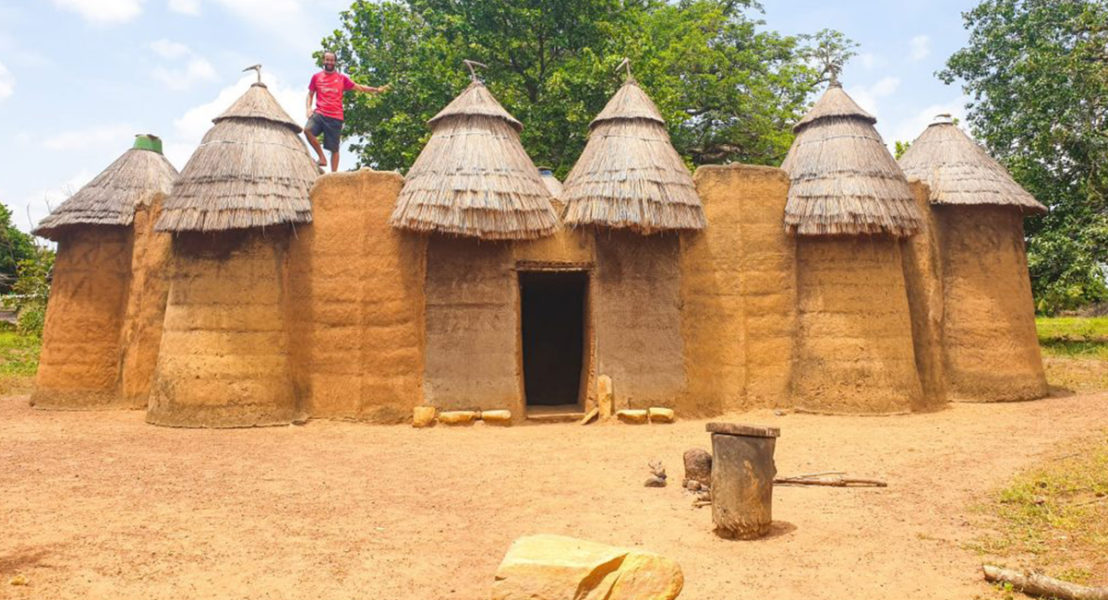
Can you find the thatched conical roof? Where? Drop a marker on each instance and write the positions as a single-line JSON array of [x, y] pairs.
[[843, 179], [958, 171], [629, 175], [111, 197], [473, 178], [252, 169]]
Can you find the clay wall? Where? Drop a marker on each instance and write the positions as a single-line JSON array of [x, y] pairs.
[[357, 303], [923, 280], [472, 356], [854, 349], [224, 355], [991, 352], [636, 306], [79, 363], [142, 325], [738, 292]]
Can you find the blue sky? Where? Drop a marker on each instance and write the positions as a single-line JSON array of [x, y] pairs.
[[78, 78]]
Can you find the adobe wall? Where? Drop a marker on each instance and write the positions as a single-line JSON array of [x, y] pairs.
[[991, 351], [923, 280], [738, 290], [79, 364], [472, 356], [142, 326], [636, 306], [357, 302], [224, 355], [854, 349]]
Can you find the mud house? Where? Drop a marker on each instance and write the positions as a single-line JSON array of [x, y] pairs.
[[467, 286]]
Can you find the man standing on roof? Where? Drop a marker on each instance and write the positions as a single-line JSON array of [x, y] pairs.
[[327, 87]]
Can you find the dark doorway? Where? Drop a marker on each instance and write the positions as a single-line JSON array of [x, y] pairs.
[[553, 330]]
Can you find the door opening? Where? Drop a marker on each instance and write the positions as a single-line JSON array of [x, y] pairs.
[[553, 332]]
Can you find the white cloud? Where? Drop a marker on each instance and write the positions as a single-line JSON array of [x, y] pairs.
[[868, 96], [197, 70], [103, 12], [871, 61], [919, 47], [909, 128], [29, 210], [79, 139], [191, 126], [169, 50], [185, 7], [7, 82], [312, 18]]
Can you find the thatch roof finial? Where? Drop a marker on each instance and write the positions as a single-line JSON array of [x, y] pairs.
[[472, 63], [258, 68], [626, 63]]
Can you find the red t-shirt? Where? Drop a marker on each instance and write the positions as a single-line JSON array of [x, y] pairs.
[[328, 88]]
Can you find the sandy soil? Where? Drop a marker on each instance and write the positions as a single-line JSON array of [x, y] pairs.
[[101, 505]]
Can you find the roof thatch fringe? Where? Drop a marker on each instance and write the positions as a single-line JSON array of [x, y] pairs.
[[844, 181], [629, 175], [473, 178], [250, 170], [958, 171], [111, 197]]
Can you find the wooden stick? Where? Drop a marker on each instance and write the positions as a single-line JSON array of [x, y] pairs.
[[837, 482], [1037, 584]]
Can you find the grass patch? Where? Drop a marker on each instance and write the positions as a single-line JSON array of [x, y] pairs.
[[1075, 352], [1054, 517], [18, 360]]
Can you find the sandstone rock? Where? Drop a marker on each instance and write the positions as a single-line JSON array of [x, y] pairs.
[[554, 567], [458, 417], [632, 415], [423, 416], [661, 415], [646, 576], [698, 466], [497, 417], [605, 397]]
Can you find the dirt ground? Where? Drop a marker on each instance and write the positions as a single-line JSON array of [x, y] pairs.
[[102, 505]]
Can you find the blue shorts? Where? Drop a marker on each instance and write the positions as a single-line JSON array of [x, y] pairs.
[[330, 127]]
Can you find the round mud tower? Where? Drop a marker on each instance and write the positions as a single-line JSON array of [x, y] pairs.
[[79, 364], [854, 340], [991, 349], [224, 358]]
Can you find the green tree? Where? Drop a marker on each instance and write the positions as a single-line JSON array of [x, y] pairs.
[[1037, 71], [32, 290], [15, 246], [728, 89]]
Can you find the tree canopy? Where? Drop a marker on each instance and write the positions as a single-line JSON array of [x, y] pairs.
[[729, 90], [15, 246], [1037, 71]]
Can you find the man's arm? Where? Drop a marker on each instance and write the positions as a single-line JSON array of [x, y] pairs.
[[370, 89], [308, 103]]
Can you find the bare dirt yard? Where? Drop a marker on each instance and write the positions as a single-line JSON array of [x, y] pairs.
[[102, 505]]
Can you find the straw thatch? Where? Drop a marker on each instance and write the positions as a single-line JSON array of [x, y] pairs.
[[629, 175], [844, 181], [111, 197], [252, 169], [958, 171], [473, 178]]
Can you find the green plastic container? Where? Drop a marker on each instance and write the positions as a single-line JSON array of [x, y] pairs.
[[148, 141]]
